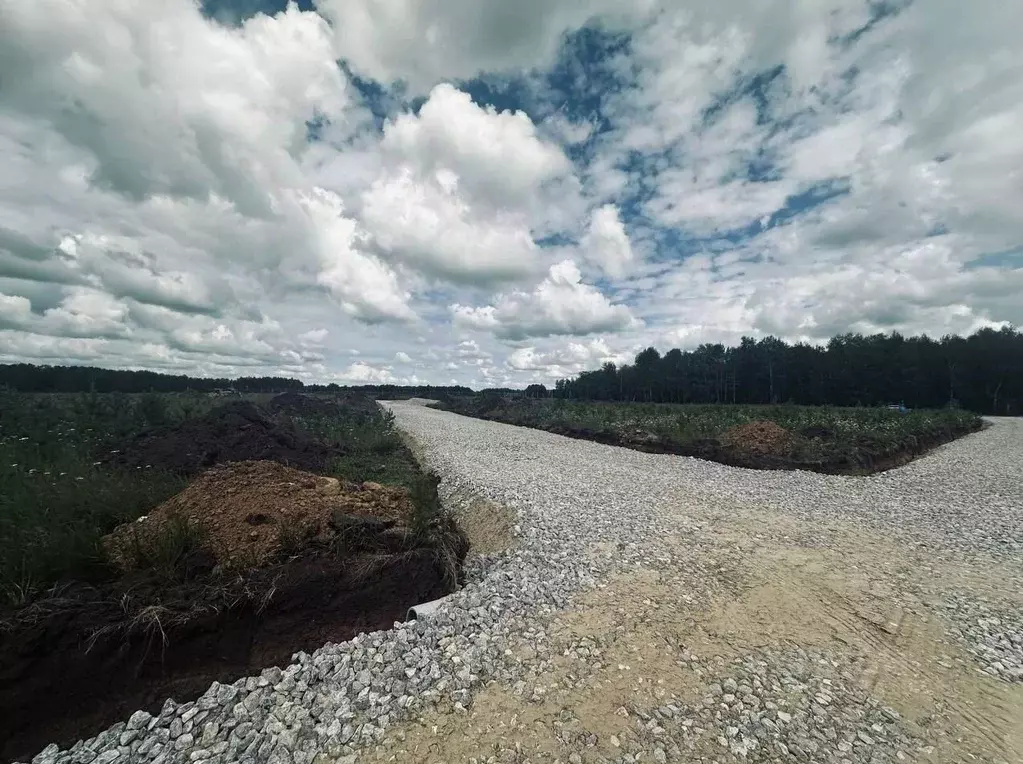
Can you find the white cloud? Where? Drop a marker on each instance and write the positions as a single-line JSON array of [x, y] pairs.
[[425, 41], [561, 304], [15, 310], [199, 110], [425, 223], [313, 336], [361, 372], [566, 359], [364, 286], [87, 312], [464, 191], [606, 243], [470, 349], [497, 156], [402, 357]]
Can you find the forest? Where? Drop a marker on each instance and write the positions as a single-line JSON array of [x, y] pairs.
[[981, 373], [29, 378]]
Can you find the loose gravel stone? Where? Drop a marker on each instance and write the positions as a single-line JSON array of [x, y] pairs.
[[571, 496]]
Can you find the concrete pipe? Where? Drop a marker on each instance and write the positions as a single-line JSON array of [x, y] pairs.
[[425, 610]]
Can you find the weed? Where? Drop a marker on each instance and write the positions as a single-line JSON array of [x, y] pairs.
[[166, 552]]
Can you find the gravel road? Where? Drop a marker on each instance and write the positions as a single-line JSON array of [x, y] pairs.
[[654, 608]]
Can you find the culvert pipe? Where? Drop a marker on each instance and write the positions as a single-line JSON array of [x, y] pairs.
[[425, 610]]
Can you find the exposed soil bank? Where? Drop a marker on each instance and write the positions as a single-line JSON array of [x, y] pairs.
[[73, 665], [736, 454]]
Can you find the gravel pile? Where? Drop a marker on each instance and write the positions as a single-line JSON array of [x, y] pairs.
[[570, 494]]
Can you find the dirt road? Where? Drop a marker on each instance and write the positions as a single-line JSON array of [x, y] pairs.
[[756, 633]]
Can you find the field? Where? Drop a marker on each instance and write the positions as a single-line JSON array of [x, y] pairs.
[[822, 439], [249, 562]]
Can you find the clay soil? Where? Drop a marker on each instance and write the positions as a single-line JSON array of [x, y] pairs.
[[328, 560], [233, 432], [248, 513]]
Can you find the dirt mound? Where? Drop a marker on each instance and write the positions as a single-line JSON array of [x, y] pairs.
[[234, 432], [759, 437], [245, 514], [298, 404]]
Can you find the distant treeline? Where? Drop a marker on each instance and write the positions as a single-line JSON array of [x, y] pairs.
[[982, 373], [29, 378]]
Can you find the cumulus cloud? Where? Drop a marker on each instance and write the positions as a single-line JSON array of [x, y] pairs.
[[422, 43], [464, 190], [564, 360], [15, 310], [361, 372], [497, 155], [200, 110], [426, 223], [606, 243], [365, 287], [560, 305]]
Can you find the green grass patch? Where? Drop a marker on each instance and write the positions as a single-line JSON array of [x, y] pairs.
[[822, 435]]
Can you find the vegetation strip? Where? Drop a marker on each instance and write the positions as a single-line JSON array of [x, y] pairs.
[[830, 440]]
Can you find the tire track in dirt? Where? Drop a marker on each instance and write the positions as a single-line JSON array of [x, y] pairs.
[[748, 587]]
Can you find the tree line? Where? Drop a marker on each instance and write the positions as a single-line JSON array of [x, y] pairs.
[[29, 378], [982, 373]]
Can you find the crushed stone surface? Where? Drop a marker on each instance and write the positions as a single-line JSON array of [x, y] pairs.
[[655, 608]]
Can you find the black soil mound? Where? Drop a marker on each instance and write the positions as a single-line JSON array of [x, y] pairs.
[[234, 432], [298, 404], [74, 664]]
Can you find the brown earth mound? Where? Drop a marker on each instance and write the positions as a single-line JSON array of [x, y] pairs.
[[759, 437], [234, 432], [248, 513]]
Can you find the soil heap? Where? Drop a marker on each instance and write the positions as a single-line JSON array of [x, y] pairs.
[[248, 513], [233, 432], [759, 437], [298, 404]]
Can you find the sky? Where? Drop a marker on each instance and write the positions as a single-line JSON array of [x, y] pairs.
[[489, 193]]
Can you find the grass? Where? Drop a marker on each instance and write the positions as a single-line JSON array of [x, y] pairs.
[[375, 451], [822, 434], [373, 447], [167, 553], [56, 502]]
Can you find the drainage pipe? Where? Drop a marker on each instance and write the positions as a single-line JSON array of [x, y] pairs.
[[425, 610]]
